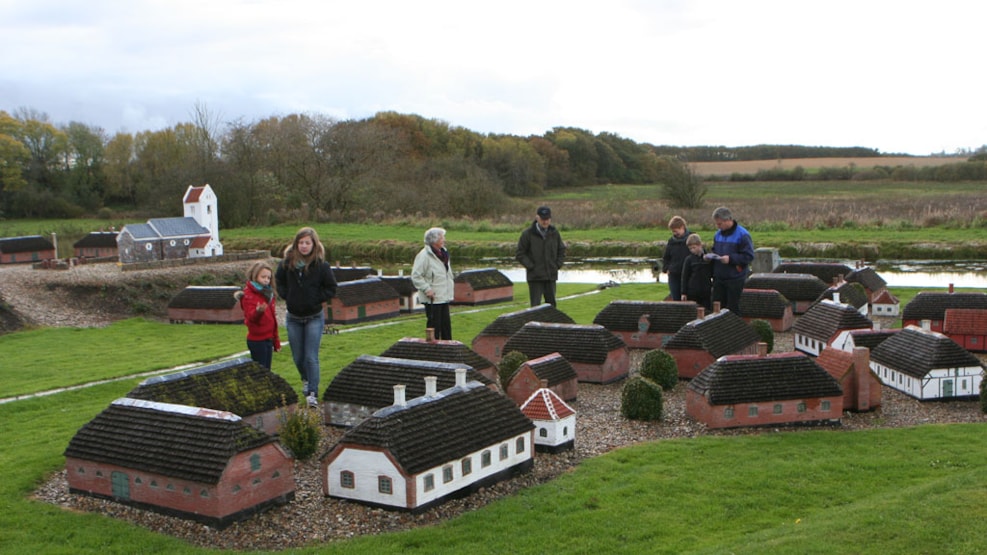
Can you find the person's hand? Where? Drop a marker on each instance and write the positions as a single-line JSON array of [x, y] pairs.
[[725, 258], [430, 294], [261, 308]]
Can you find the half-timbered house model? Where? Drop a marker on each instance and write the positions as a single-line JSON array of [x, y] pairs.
[[407, 294], [366, 385], [97, 244], [241, 386], [443, 350], [194, 235], [768, 305], [823, 323], [702, 341], [780, 389], [864, 337], [554, 420], [363, 300], [490, 342], [646, 324], [30, 248], [967, 327], [551, 371], [484, 286], [419, 453], [202, 304], [800, 289], [597, 355], [932, 306], [851, 369], [852, 294], [825, 271], [927, 365], [194, 463]]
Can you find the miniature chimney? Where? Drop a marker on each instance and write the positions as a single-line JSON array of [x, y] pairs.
[[836, 296], [543, 383], [430, 335], [700, 312], [380, 272], [399, 400], [460, 377], [951, 288], [430, 385], [684, 298], [925, 324], [716, 307], [401, 272], [762, 349], [861, 375]]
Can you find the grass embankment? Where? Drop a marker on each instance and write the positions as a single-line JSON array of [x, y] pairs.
[[817, 491]]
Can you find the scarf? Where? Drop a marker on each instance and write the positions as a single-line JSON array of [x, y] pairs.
[[443, 255], [264, 290]]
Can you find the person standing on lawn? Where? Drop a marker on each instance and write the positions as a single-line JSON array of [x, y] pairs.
[[541, 251], [675, 254], [733, 252]]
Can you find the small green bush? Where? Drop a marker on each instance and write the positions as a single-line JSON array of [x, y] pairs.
[[660, 367], [300, 432], [764, 331], [641, 399], [508, 365]]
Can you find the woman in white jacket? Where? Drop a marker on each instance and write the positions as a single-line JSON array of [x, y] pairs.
[[433, 278]]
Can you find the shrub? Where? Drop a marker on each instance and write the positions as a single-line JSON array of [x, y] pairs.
[[641, 399], [660, 367], [764, 331], [300, 432], [508, 365]]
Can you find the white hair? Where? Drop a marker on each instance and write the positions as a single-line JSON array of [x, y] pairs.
[[433, 235]]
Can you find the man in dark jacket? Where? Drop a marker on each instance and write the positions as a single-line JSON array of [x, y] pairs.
[[541, 251], [733, 252]]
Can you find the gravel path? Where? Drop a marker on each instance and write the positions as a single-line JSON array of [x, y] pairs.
[[314, 519]]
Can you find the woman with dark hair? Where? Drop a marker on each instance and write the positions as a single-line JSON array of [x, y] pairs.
[[305, 281]]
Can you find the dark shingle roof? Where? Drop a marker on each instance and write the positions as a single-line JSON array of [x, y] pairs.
[[577, 343], [141, 231], [763, 303], [966, 321], [402, 284], [917, 352], [719, 334], [932, 305], [352, 273], [509, 323], [752, 379], [429, 432], [850, 293], [450, 351], [183, 442], [363, 291], [867, 277], [30, 243], [795, 287], [553, 368], [240, 386], [369, 380], [871, 338], [663, 316], [826, 318], [825, 271], [209, 297], [177, 227], [487, 278], [97, 239]]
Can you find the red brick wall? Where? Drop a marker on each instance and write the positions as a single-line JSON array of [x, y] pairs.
[[232, 315], [463, 293], [490, 347], [713, 416], [615, 367], [690, 361]]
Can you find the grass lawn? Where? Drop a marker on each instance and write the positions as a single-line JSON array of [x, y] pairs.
[[915, 490]]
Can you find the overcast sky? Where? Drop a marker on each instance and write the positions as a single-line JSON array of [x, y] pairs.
[[899, 76]]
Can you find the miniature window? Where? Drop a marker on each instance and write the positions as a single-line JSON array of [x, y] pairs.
[[138, 480], [154, 483], [254, 462], [347, 480], [186, 242], [503, 451], [171, 243], [446, 474], [825, 405], [384, 485], [543, 432], [99, 473], [752, 410], [429, 482], [801, 407], [81, 470], [277, 474], [728, 412], [236, 488], [170, 487], [187, 490], [204, 493], [467, 466], [485, 459], [147, 246], [565, 431], [256, 482], [519, 445], [777, 408]]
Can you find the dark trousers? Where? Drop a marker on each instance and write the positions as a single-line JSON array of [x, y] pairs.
[[539, 289], [727, 293], [675, 285], [261, 351], [437, 318]]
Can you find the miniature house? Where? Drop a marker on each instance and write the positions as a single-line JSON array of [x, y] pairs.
[[645, 324], [206, 304], [490, 342], [768, 305], [885, 304], [554, 420], [97, 244], [240, 386], [417, 454], [201, 205], [551, 371], [873, 283], [781, 389], [407, 294], [194, 235], [363, 300], [932, 306], [366, 385], [825, 271], [823, 323], [486, 286], [447, 350], [847, 340], [701, 342], [31, 248], [967, 327], [800, 289], [851, 369], [352, 273], [194, 463], [852, 294], [597, 355], [926, 365]]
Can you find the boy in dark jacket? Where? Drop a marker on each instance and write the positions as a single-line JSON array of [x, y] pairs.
[[697, 274]]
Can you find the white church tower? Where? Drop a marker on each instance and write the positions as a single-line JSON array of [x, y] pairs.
[[201, 205]]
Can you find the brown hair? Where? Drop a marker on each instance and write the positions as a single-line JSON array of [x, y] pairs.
[[676, 222], [292, 256], [693, 239], [256, 268]]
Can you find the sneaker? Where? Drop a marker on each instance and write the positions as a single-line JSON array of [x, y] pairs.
[[312, 401]]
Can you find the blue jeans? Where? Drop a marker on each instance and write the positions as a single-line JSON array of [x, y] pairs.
[[305, 337], [262, 351]]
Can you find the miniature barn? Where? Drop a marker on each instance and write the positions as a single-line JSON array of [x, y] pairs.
[[597, 355], [932, 306], [554, 420], [30, 248], [194, 463], [800, 289], [417, 454], [445, 350], [363, 300], [701, 342], [551, 371], [97, 244], [646, 324], [823, 323], [485, 286], [205, 304], [926, 365], [490, 342]]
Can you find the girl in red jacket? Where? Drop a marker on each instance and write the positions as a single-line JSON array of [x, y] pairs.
[[259, 314]]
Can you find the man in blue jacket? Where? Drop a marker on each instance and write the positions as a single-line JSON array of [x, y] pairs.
[[733, 252]]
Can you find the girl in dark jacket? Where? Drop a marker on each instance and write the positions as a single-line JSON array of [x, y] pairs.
[[674, 255], [259, 314], [306, 282]]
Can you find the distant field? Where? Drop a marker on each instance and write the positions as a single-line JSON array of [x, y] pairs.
[[753, 166]]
